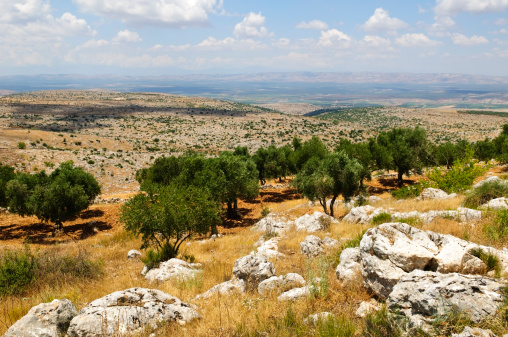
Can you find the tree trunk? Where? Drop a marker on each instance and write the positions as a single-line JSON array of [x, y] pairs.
[[400, 179], [323, 203], [58, 228], [232, 212], [332, 202]]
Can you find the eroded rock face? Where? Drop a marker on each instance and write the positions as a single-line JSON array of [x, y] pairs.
[[392, 250], [280, 284], [174, 268], [127, 312], [312, 246], [425, 294], [253, 269], [232, 286], [315, 222], [349, 268], [44, 320]]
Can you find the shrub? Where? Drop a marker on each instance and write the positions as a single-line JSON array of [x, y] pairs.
[[21, 145], [381, 218], [486, 192], [16, 271], [412, 191], [325, 222], [490, 260], [265, 211], [383, 324], [460, 177]]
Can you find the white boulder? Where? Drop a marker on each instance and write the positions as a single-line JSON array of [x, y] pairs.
[[349, 268], [312, 246], [253, 269], [130, 311], [280, 284], [133, 254], [232, 286], [315, 222], [174, 268], [496, 204], [435, 193]]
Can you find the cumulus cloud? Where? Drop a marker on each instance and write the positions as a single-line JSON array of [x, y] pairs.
[[169, 13], [230, 43], [381, 21], [334, 38], [416, 40], [375, 41], [314, 24], [454, 7], [126, 36], [463, 40], [20, 11], [251, 26]]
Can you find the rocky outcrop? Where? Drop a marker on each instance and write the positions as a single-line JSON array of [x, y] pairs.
[[312, 246], [268, 248], [496, 204], [435, 194], [367, 307], [232, 286], [174, 268], [359, 215], [273, 223], [253, 269], [314, 222], [423, 295], [44, 320], [390, 251], [129, 311], [349, 268], [280, 284], [487, 180]]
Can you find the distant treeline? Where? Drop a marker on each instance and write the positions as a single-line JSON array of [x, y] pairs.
[[482, 112]]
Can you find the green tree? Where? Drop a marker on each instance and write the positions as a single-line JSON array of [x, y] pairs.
[[402, 149], [56, 198], [6, 174], [360, 152], [313, 147], [167, 218], [334, 175]]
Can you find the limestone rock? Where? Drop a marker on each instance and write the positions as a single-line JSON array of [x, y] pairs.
[[495, 204], [225, 288], [359, 215], [174, 268], [312, 246], [280, 284], [44, 320], [314, 222], [299, 293], [330, 243], [269, 248], [435, 193], [253, 269], [367, 307], [129, 311], [349, 268], [489, 179], [474, 332], [133, 254], [427, 294], [389, 251], [272, 223]]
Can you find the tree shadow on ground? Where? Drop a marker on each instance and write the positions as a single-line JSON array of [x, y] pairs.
[[383, 185], [279, 196]]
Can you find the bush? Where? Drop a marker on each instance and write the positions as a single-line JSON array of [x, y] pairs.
[[460, 177], [381, 218], [486, 192], [412, 191], [16, 271], [21, 145], [265, 211], [23, 268], [490, 260]]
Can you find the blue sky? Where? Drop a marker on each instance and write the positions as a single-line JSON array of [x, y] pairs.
[[165, 37]]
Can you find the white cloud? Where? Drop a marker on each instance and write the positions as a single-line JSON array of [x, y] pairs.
[[19, 11], [416, 40], [500, 42], [251, 26], [441, 25], [230, 43], [501, 22], [334, 38], [314, 24], [381, 21], [375, 41], [169, 13], [126, 36], [463, 40], [454, 7]]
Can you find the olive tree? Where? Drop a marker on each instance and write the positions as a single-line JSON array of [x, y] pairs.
[[167, 218]]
